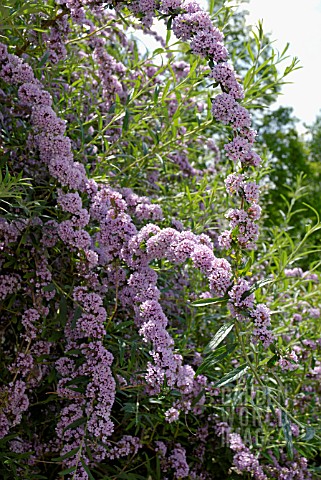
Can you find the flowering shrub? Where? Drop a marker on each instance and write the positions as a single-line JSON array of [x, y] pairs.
[[149, 331]]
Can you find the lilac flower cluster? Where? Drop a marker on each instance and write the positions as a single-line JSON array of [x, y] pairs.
[[174, 460], [56, 39], [42, 278], [91, 321], [196, 25], [242, 307], [151, 243], [54, 148], [177, 461], [128, 445], [297, 272], [180, 158], [244, 231], [227, 110], [14, 70], [9, 284], [289, 362], [9, 232], [95, 403], [23, 364], [107, 69], [282, 469], [293, 272], [261, 317], [224, 74], [17, 403], [29, 320], [141, 207], [72, 231], [243, 459], [146, 8]]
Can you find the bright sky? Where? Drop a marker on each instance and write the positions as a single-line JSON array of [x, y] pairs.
[[299, 23]]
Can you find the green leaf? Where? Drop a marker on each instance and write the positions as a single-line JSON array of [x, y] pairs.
[[122, 326], [214, 358], [49, 288], [158, 51], [219, 336], [286, 427], [169, 28], [250, 51], [130, 476], [65, 472], [145, 148], [76, 423], [309, 434], [210, 301], [78, 380], [43, 60], [67, 455], [211, 6], [269, 361], [256, 286], [74, 351], [77, 315], [272, 361], [126, 121], [156, 94], [63, 309], [193, 67], [234, 375], [166, 89]]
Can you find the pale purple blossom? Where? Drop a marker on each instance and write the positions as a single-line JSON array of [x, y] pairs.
[[170, 5], [127, 445], [225, 75], [207, 43], [171, 415], [241, 296], [234, 182], [251, 192], [228, 111], [177, 461], [9, 284]]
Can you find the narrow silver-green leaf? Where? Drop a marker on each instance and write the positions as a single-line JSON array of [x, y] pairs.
[[286, 427], [66, 471], [259, 284], [309, 434], [203, 302], [69, 454], [231, 376], [214, 358], [219, 336]]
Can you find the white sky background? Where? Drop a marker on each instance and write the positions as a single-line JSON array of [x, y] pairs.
[[299, 23]]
